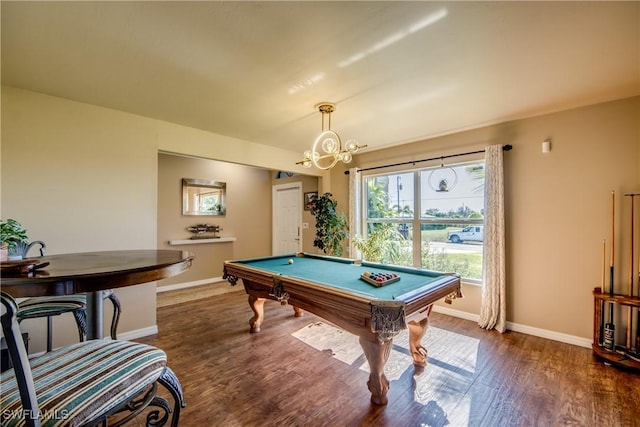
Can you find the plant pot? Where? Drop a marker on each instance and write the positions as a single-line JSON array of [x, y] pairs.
[[4, 253]]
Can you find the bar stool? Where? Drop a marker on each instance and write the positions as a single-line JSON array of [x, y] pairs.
[[37, 307]]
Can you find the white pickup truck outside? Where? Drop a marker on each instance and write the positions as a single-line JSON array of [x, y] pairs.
[[473, 233]]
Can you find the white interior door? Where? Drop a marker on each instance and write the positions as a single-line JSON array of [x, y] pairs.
[[287, 218]]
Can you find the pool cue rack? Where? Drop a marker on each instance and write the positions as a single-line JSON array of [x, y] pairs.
[[624, 353], [615, 357]]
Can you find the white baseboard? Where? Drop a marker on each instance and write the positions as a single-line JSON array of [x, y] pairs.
[[456, 313], [552, 335], [175, 287], [138, 333], [529, 330]]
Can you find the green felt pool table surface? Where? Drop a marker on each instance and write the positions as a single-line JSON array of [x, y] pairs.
[[345, 274]]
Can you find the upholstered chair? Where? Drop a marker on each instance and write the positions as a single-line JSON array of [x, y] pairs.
[[86, 383]]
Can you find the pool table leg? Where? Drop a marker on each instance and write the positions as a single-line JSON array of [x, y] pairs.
[[257, 306], [417, 329], [377, 354]]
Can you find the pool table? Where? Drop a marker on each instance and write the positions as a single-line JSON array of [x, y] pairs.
[[332, 288]]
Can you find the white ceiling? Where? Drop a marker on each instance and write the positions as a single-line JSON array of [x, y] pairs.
[[398, 71]]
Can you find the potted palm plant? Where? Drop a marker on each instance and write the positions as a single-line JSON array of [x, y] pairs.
[[11, 233]]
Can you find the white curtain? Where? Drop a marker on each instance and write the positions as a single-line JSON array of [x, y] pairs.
[[493, 310], [354, 211]]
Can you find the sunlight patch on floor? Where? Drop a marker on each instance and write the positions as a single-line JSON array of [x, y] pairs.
[[342, 345], [448, 352], [442, 386]]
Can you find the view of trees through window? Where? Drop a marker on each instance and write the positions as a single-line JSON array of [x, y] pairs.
[[430, 218]]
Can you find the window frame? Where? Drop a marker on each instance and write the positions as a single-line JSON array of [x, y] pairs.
[[417, 220]]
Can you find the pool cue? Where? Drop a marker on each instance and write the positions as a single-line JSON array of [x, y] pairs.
[[602, 284], [631, 259], [634, 353], [613, 239], [604, 263], [636, 345], [610, 328]]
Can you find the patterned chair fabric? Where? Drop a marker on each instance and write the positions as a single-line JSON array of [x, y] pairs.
[[37, 307], [49, 306], [78, 384], [84, 382]]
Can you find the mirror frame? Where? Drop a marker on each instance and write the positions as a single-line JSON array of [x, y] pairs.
[[188, 183]]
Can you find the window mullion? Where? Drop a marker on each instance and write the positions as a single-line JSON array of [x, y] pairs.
[[417, 213]]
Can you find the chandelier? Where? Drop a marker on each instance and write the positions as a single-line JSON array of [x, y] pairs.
[[327, 149]]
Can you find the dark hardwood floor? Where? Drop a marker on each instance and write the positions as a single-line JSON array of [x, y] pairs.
[[474, 377]]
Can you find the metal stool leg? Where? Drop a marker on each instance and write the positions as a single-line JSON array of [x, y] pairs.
[[49, 333], [117, 309], [169, 380], [81, 317]]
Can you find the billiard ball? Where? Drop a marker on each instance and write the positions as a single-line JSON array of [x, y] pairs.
[[290, 261]]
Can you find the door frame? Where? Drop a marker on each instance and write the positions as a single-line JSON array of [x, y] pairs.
[[274, 212]]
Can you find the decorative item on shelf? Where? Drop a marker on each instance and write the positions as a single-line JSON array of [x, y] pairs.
[[443, 179], [327, 148], [200, 231]]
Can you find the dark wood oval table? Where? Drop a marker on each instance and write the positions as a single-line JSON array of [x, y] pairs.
[[93, 272]]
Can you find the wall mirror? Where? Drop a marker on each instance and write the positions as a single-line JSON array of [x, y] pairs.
[[203, 197]]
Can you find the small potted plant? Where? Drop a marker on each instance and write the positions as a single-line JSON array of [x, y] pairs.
[[11, 233]]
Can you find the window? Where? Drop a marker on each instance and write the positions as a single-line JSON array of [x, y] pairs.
[[429, 218]]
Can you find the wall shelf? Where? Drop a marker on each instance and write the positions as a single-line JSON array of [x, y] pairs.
[[200, 241]]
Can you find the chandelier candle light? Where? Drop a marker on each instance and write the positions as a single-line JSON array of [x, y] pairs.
[[327, 149]]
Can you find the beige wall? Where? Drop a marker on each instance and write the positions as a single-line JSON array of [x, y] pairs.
[[248, 215], [558, 206], [81, 178]]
